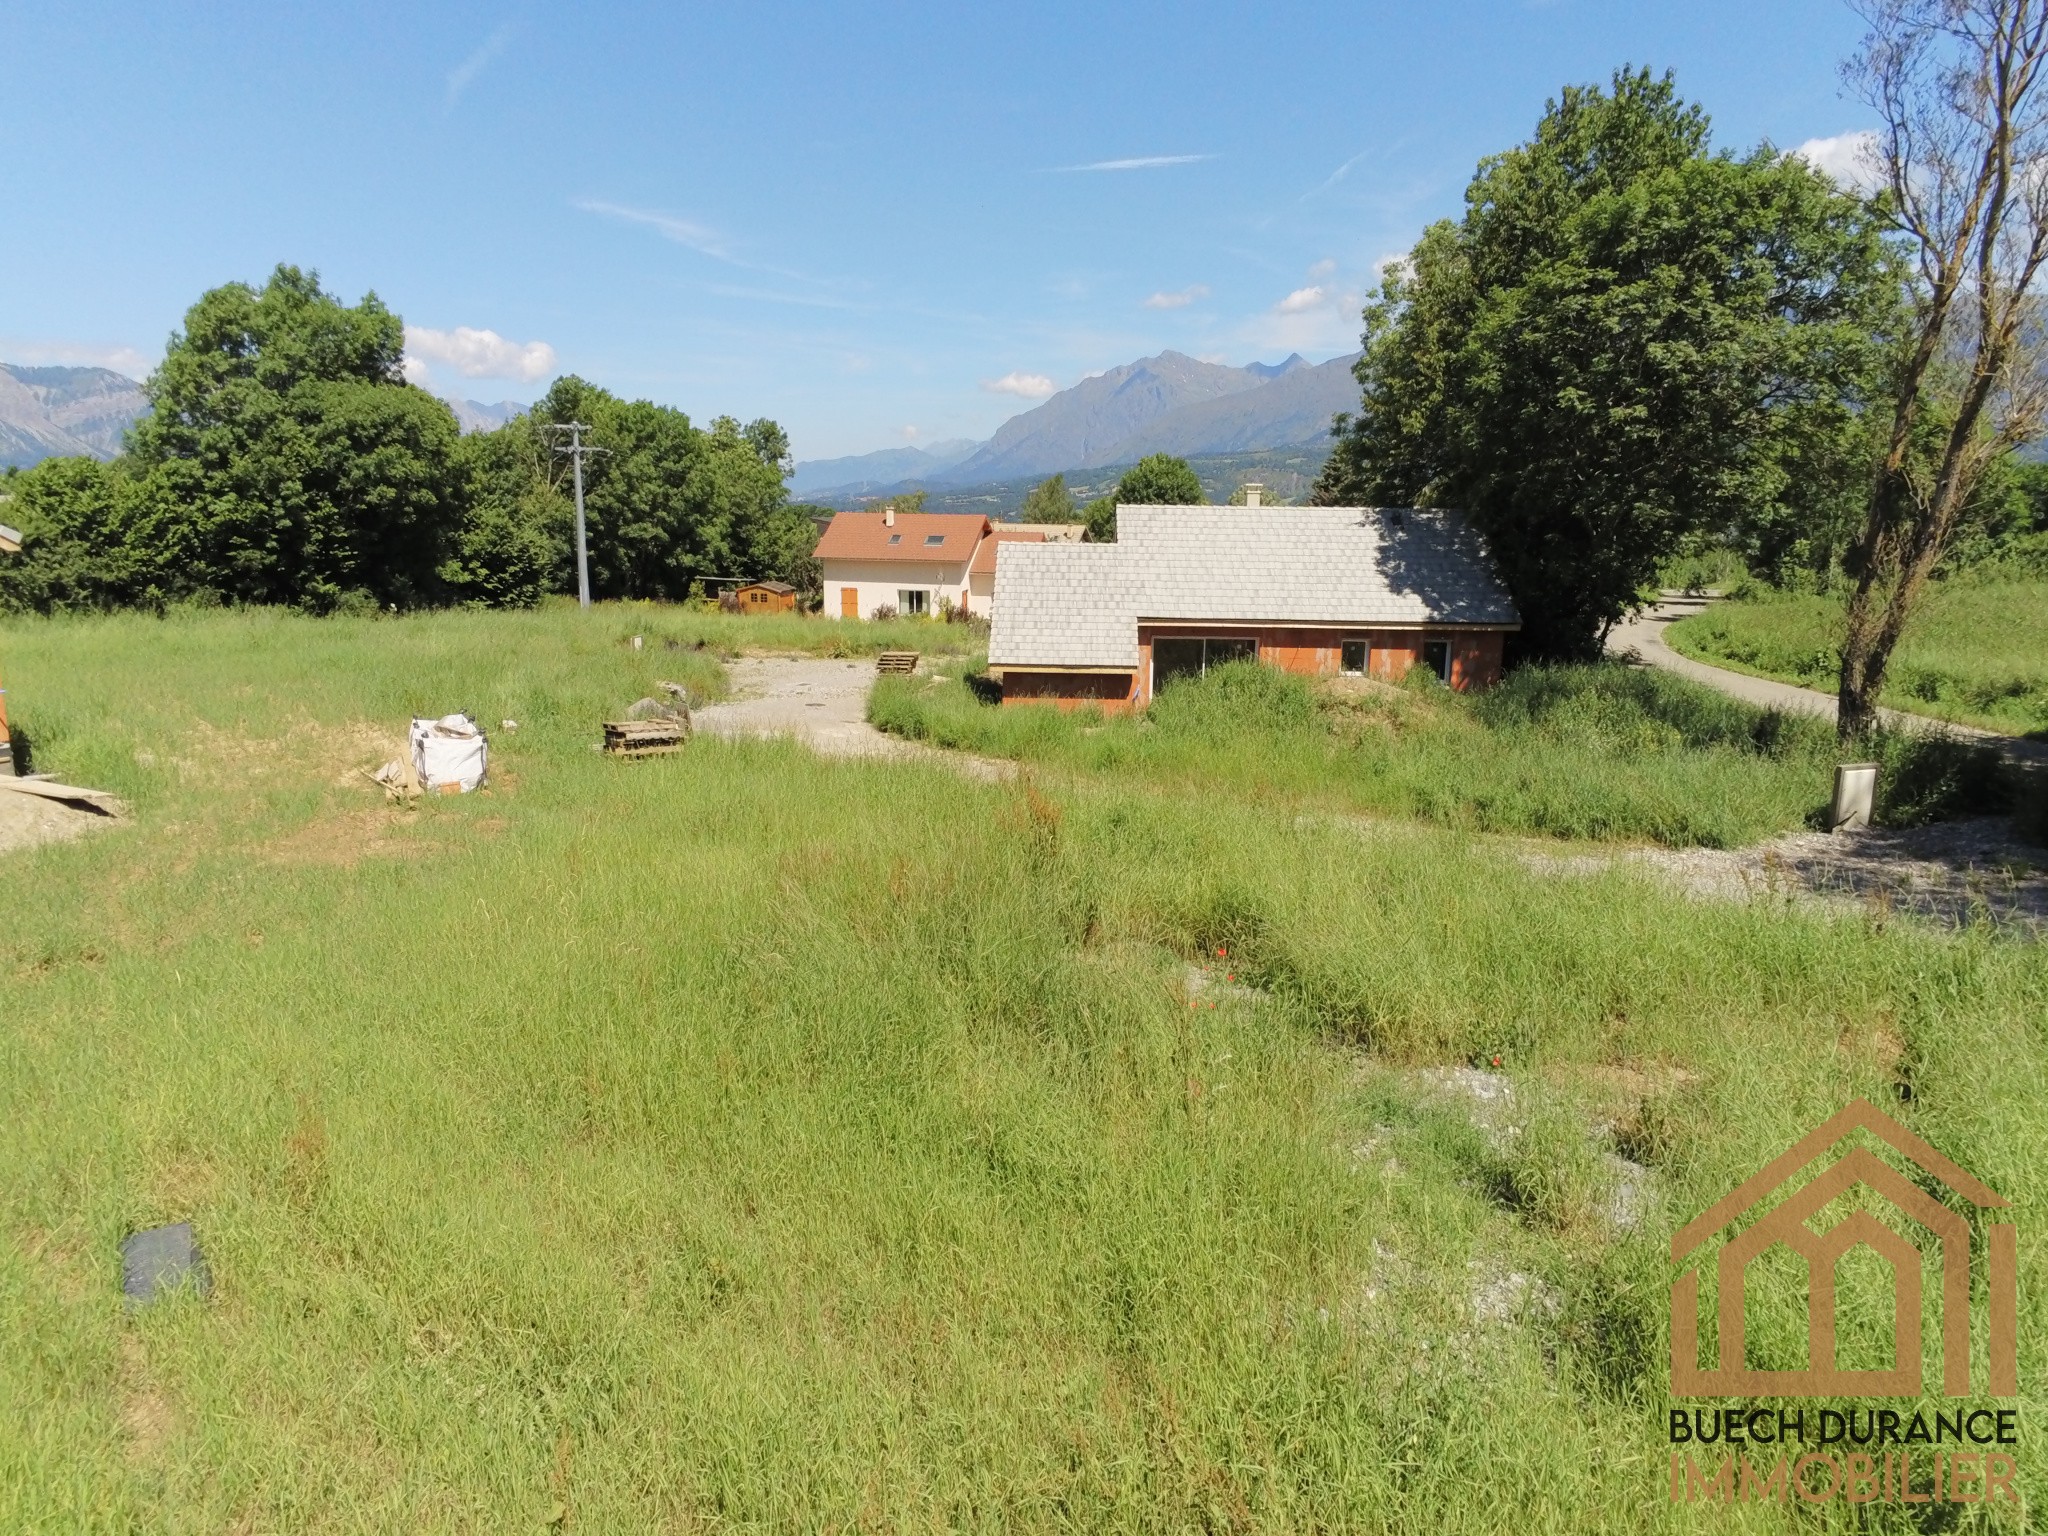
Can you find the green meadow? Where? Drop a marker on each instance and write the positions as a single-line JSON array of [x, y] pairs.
[[1976, 652], [744, 1141]]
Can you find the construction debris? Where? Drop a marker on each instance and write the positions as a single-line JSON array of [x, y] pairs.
[[97, 801], [450, 754]]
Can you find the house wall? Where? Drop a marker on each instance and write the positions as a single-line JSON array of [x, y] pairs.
[[1475, 654], [1114, 693], [981, 592], [877, 582]]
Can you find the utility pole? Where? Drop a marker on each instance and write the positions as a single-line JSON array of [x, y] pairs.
[[576, 449]]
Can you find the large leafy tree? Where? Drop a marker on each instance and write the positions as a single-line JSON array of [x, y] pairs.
[[1048, 502], [1628, 338], [1157, 480], [667, 503], [286, 460]]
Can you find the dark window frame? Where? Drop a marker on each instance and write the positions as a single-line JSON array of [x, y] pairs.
[[1237, 648]]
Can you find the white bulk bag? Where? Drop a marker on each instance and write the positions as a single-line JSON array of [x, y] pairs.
[[449, 753]]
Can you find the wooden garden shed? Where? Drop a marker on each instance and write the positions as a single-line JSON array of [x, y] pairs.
[[766, 597]]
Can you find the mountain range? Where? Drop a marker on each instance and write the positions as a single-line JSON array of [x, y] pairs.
[[48, 413], [875, 471], [1171, 403]]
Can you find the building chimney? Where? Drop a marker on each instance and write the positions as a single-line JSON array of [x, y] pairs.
[[889, 516], [1252, 491]]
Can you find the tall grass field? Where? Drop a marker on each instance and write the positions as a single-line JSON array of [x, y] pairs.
[[1976, 652], [745, 1141], [1608, 751]]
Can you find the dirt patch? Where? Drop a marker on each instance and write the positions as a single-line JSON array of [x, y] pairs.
[[1954, 873], [148, 1416], [61, 1258], [344, 841], [28, 821], [302, 748]]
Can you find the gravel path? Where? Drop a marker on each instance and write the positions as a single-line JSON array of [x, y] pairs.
[[822, 702]]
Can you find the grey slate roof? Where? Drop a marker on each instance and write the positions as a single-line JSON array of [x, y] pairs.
[[1065, 605], [1259, 565]]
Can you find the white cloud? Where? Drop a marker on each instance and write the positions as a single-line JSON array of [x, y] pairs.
[[911, 434], [1322, 317], [416, 371], [461, 75], [1180, 300], [1850, 158], [696, 236], [1027, 386], [1388, 263], [476, 354], [1137, 163], [75, 354], [1323, 268]]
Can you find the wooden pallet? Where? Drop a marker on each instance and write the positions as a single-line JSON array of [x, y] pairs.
[[644, 738], [896, 661]]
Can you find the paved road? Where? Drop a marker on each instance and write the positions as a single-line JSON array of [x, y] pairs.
[[1643, 638]]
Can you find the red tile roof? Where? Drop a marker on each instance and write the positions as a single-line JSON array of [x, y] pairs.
[[866, 536], [985, 557]]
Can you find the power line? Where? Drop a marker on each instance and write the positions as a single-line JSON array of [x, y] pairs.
[[576, 448]]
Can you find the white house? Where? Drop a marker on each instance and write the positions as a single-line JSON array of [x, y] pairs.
[[914, 561]]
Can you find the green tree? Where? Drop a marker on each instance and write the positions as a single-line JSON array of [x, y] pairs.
[[286, 460], [1048, 502], [665, 503], [80, 544], [1627, 339], [1158, 480]]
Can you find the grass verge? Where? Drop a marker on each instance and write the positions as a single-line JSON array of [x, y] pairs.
[[1603, 751]]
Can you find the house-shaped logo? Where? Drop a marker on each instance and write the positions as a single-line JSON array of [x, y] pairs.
[[1787, 1223]]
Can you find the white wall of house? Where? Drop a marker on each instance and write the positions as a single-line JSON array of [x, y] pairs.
[[981, 592], [879, 583]]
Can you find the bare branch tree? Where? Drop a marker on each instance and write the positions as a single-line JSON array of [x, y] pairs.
[[1961, 87]]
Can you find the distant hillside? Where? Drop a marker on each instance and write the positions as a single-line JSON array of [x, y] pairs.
[[886, 466], [1288, 473], [1088, 423], [48, 413], [475, 416], [1295, 407]]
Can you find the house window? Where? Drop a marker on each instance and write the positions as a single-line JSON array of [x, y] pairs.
[[1355, 658], [1436, 655], [895, 538], [934, 538], [1181, 656], [911, 600]]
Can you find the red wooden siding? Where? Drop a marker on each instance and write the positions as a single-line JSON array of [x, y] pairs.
[[1111, 692], [1475, 662]]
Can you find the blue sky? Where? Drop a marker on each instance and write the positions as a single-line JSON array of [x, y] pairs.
[[879, 225]]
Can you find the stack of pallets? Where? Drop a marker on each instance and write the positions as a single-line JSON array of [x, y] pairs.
[[644, 738], [896, 661]]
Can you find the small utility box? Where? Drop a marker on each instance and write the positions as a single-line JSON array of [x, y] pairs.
[[1855, 796]]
